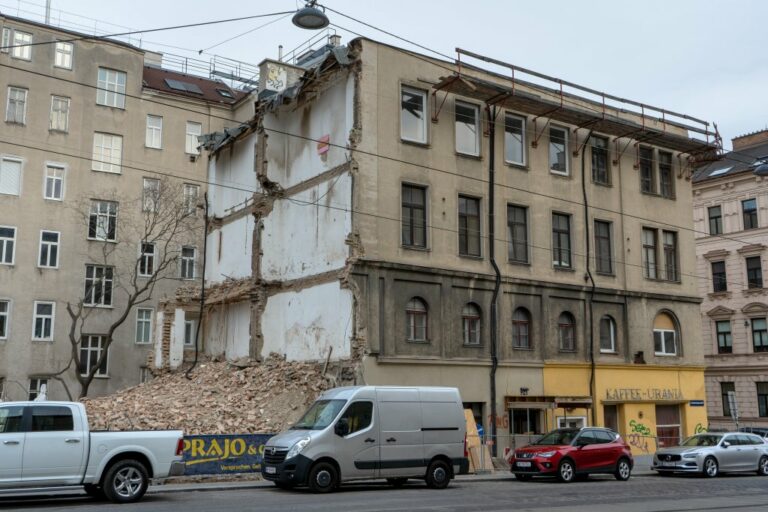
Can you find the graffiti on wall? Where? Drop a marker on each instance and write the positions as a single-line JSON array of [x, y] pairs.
[[639, 428], [699, 429], [638, 436]]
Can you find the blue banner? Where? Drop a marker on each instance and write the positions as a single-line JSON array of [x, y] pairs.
[[217, 455]]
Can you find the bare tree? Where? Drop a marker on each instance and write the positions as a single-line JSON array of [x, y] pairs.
[[134, 245]]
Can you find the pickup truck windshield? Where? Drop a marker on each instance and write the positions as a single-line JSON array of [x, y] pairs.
[[319, 415], [705, 440], [558, 438]]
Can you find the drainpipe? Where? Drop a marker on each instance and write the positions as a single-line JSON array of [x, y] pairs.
[[491, 111], [590, 278]]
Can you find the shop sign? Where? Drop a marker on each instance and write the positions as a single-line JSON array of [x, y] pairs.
[[222, 454], [637, 394]]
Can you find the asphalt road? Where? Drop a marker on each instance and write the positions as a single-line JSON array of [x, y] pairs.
[[740, 493]]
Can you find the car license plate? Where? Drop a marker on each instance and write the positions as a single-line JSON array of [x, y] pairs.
[[523, 464], [668, 464], [270, 470]]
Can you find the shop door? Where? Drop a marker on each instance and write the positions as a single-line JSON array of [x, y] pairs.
[[668, 425], [611, 417]]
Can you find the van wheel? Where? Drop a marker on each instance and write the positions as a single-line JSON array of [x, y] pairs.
[[323, 477], [623, 470], [438, 475], [566, 471], [94, 491], [397, 482], [125, 481]]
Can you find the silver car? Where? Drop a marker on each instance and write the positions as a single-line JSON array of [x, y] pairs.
[[712, 453]]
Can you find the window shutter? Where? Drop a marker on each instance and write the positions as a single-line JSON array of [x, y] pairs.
[[10, 177], [6, 40]]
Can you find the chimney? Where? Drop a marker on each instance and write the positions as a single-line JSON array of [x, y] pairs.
[[749, 140], [334, 40]]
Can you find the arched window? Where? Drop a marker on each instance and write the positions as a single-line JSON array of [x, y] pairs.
[[607, 334], [566, 327], [521, 328], [470, 323], [416, 320], [665, 335]]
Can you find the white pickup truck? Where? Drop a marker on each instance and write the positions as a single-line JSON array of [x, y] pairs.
[[48, 444]]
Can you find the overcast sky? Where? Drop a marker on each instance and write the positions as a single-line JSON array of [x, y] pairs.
[[705, 58]]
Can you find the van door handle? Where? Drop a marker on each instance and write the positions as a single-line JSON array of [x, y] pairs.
[[10, 442], [369, 440], [391, 440], [72, 440]]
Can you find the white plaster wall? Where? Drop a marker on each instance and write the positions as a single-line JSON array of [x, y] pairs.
[[228, 330], [159, 318], [303, 325], [233, 259], [306, 236], [176, 351], [233, 170], [292, 159]]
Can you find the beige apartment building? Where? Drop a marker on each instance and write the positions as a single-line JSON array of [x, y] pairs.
[[730, 201], [426, 222], [91, 129]]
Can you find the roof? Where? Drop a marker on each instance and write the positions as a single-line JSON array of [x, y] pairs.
[[191, 86], [743, 161]]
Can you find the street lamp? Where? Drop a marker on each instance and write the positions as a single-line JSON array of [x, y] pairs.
[[310, 17]]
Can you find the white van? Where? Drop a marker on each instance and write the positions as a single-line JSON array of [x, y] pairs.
[[364, 432]]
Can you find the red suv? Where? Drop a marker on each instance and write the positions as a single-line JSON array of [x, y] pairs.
[[568, 453]]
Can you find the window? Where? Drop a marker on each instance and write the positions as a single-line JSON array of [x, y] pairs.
[[54, 182], [467, 129], [42, 322], [665, 335], [413, 118], [759, 335], [725, 387], [724, 342], [190, 332], [191, 193], [414, 216], [754, 272], [10, 416], [749, 212], [715, 220], [719, 280], [416, 320], [649, 253], [469, 226], [10, 176], [91, 349], [647, 177], [517, 231], [470, 324], [666, 181], [107, 152], [600, 170], [762, 399], [98, 285], [194, 130], [561, 240], [21, 48], [49, 249], [54, 418], [143, 325], [36, 386], [5, 313], [147, 260], [607, 334], [102, 222], [188, 256], [111, 88], [16, 111], [514, 139], [521, 328], [603, 249], [566, 329], [7, 245], [59, 114], [151, 195], [558, 150], [670, 255], [154, 136], [358, 416], [63, 57]]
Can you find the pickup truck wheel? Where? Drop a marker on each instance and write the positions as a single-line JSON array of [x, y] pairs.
[[125, 481], [94, 491]]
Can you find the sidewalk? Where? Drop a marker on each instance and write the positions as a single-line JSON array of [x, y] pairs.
[[641, 469]]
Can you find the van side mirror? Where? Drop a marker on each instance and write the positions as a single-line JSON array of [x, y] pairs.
[[341, 428]]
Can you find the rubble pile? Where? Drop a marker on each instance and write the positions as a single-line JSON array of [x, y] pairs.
[[220, 398]]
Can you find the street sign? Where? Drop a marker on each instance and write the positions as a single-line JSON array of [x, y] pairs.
[[696, 403]]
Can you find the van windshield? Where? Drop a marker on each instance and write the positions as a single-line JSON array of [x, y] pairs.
[[319, 415]]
